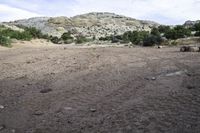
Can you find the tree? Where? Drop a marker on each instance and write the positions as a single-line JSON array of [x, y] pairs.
[[155, 32], [66, 36], [55, 40], [5, 41], [178, 32], [163, 29], [197, 27], [151, 40]]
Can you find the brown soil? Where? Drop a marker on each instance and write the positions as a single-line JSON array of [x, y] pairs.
[[99, 90]]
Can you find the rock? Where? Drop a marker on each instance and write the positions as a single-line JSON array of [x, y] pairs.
[[38, 113], [45, 90], [176, 73], [193, 49], [1, 107], [190, 87], [93, 110], [189, 49], [150, 78], [183, 49], [159, 47], [2, 127], [67, 108], [189, 23], [13, 131]]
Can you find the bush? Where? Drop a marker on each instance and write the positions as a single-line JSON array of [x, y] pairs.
[[16, 34], [55, 40], [34, 32], [163, 29], [136, 37], [107, 38], [67, 38], [178, 32], [155, 32], [152, 40], [5, 41], [197, 27], [197, 33], [81, 39]]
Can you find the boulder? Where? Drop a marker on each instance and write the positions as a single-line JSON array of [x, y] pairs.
[[189, 49], [193, 49]]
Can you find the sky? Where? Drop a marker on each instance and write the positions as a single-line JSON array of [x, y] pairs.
[[169, 12]]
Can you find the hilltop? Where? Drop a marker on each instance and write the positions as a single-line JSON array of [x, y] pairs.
[[98, 24]]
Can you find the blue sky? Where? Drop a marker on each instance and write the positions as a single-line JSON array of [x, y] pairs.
[[162, 11]]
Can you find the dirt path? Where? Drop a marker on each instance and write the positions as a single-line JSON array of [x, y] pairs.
[[99, 90]]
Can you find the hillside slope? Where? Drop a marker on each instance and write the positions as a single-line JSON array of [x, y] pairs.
[[91, 24]]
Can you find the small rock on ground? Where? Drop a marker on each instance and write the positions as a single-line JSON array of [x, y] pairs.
[[1, 107], [93, 110], [2, 127], [45, 90]]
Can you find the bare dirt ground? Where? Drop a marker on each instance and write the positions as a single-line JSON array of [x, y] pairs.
[[99, 90]]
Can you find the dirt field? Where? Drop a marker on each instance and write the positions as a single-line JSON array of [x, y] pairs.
[[99, 90]]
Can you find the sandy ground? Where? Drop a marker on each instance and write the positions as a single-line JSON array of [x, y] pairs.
[[53, 89]]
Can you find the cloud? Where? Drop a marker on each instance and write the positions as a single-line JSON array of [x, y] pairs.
[[9, 13], [162, 11]]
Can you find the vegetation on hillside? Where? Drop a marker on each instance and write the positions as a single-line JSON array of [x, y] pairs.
[[67, 38], [157, 35], [6, 34], [5, 41]]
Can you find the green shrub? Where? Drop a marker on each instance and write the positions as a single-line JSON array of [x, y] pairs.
[[16, 34], [163, 28], [81, 39], [152, 40], [107, 38], [5, 41], [197, 27], [55, 40], [67, 38], [155, 32], [33, 32], [137, 37], [197, 33], [178, 32]]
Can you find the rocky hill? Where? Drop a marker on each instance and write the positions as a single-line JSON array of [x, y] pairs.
[[190, 23], [91, 24]]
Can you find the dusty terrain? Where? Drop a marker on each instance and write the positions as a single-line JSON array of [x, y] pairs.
[[99, 90]]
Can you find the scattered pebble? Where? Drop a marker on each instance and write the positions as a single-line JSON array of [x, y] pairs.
[[52, 73], [1, 107], [176, 73], [2, 127], [13, 131], [93, 110], [152, 78], [45, 90], [190, 87], [67, 108], [38, 113]]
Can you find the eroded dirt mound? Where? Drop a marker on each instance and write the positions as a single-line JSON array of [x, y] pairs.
[[99, 90]]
